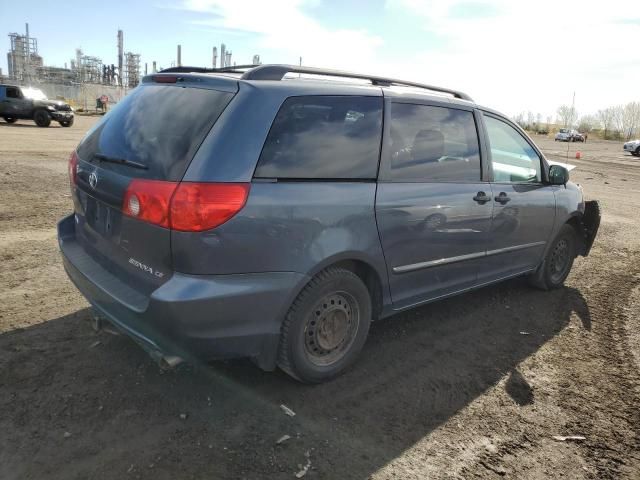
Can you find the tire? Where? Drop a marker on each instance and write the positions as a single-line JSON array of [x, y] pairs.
[[637, 152], [10, 119], [558, 261], [66, 123], [326, 326], [42, 118]]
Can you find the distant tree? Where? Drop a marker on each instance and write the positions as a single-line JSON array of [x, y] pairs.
[[587, 123], [606, 117], [519, 119], [567, 115], [618, 120], [530, 121], [630, 119]]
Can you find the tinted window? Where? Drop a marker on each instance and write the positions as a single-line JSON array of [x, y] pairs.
[[157, 125], [433, 144], [12, 92], [512, 157], [324, 137]]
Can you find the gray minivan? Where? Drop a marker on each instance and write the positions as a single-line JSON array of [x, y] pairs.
[[250, 212]]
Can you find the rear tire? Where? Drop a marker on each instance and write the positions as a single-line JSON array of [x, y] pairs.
[[326, 326], [558, 261], [10, 119], [42, 118]]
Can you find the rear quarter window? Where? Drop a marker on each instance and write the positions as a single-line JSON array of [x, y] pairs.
[[324, 137], [158, 126]]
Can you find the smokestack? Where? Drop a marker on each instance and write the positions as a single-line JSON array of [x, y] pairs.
[[120, 55], [145, 68], [26, 26], [215, 56], [154, 69], [223, 56], [179, 55]]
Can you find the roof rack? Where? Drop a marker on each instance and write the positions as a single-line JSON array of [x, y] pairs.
[[230, 69], [277, 72]]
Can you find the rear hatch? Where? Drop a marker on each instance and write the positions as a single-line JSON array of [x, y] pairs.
[[149, 138]]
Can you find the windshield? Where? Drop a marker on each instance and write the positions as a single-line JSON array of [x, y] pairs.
[[34, 93]]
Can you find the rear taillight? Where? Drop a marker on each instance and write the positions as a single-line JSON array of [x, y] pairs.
[[149, 200], [202, 206], [73, 168], [188, 207]]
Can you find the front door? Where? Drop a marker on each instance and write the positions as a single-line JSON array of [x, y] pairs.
[[524, 206], [15, 104], [432, 207]]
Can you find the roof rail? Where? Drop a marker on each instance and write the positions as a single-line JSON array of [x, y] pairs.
[[277, 72], [230, 69]]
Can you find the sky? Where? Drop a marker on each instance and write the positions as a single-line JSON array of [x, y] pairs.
[[514, 56]]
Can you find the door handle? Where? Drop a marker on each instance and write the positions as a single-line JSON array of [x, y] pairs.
[[481, 198], [502, 198]]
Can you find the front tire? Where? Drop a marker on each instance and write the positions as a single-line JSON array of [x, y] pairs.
[[326, 326], [558, 261], [637, 152], [42, 118]]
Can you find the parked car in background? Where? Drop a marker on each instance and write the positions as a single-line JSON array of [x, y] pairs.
[[32, 104], [275, 218], [633, 147], [569, 135]]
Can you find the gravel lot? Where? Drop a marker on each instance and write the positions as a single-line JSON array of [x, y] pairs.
[[450, 390]]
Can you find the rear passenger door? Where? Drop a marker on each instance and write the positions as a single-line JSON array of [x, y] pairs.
[[433, 203], [524, 205]]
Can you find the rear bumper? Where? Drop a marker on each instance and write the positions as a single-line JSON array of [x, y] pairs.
[[190, 316]]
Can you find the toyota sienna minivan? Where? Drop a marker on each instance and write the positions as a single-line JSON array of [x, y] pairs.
[[274, 212]]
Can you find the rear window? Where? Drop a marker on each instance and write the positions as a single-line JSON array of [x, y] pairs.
[[324, 137], [158, 126]]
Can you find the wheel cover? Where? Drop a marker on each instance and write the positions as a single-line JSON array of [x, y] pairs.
[[331, 328], [560, 259]]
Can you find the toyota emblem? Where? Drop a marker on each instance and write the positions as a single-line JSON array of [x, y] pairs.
[[93, 179]]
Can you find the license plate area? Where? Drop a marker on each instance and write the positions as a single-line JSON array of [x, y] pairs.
[[100, 217]]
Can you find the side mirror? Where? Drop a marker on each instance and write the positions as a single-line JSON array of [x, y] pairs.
[[558, 175]]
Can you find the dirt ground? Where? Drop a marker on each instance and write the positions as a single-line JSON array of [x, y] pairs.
[[474, 386]]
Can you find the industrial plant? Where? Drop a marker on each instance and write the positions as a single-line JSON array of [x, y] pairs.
[[86, 77]]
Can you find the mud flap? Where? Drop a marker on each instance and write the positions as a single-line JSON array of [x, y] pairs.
[[590, 223]]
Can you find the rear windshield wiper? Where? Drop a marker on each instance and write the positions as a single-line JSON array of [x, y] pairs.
[[121, 161]]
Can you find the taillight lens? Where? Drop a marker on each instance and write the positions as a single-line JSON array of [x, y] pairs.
[[149, 200], [73, 168], [202, 206], [187, 206]]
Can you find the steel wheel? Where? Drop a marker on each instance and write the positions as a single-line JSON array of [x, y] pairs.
[[331, 328], [325, 327]]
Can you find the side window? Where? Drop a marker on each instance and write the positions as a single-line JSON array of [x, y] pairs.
[[432, 144], [324, 137], [513, 159], [12, 92]]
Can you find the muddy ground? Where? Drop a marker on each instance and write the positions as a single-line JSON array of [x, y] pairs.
[[454, 389]]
